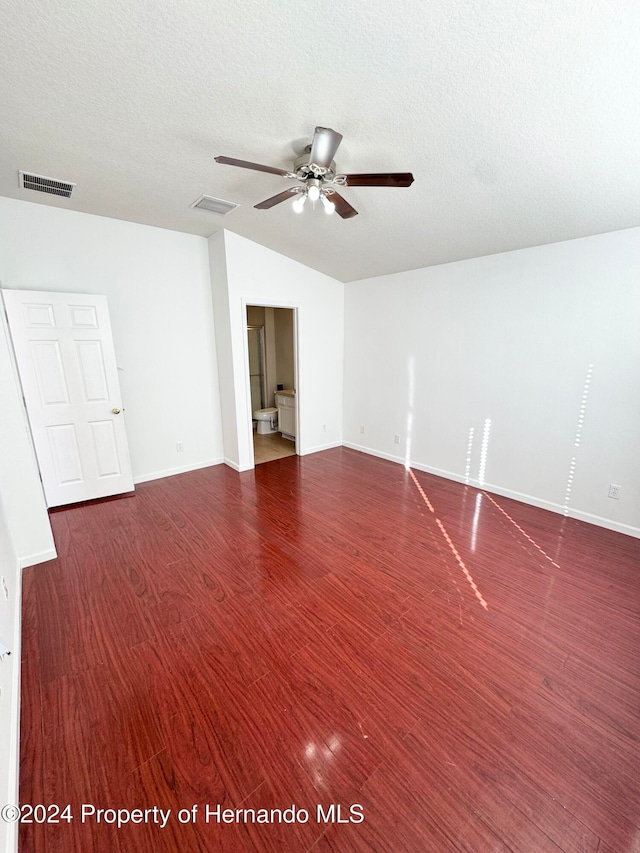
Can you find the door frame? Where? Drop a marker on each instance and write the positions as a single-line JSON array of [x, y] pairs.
[[268, 303]]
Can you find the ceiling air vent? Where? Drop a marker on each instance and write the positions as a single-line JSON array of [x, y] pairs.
[[53, 186], [215, 205]]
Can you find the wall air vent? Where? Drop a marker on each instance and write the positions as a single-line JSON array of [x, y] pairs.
[[53, 186], [214, 205]]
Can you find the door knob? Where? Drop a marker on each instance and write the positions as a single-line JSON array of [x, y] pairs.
[[116, 411]]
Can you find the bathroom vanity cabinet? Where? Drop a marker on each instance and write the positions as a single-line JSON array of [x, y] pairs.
[[286, 403]]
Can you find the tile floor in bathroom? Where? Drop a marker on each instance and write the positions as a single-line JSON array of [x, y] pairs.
[[266, 448]]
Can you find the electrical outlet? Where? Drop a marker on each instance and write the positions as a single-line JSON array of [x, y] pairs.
[[324, 427], [5, 588], [362, 429], [396, 439], [614, 491], [179, 446]]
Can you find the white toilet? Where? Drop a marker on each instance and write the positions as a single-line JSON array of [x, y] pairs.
[[267, 420]]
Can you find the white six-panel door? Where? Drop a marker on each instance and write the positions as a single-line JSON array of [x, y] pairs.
[[67, 366]]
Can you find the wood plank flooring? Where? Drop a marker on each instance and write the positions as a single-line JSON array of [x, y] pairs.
[[308, 634]]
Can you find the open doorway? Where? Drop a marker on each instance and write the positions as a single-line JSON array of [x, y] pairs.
[[272, 378]]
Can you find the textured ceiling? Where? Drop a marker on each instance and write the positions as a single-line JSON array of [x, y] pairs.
[[519, 119]]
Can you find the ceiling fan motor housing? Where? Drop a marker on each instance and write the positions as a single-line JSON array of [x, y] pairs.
[[303, 169]]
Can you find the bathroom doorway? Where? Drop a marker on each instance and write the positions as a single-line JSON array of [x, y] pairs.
[[272, 380]]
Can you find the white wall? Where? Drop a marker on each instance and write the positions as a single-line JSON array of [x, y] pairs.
[[259, 276], [432, 353], [220, 294], [158, 288]]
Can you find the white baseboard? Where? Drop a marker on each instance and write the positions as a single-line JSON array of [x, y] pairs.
[[236, 467], [599, 521], [371, 452], [40, 557], [170, 472], [532, 500], [320, 447]]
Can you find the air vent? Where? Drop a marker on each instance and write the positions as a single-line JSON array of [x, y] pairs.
[[214, 205], [53, 186]]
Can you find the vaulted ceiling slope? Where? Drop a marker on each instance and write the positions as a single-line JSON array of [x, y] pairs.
[[519, 119]]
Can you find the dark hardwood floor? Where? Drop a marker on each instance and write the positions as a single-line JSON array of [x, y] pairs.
[[313, 633]]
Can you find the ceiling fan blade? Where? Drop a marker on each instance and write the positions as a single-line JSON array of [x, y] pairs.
[[324, 146], [384, 179], [343, 208], [276, 199], [257, 167]]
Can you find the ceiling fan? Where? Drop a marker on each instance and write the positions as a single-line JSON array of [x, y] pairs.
[[315, 172]]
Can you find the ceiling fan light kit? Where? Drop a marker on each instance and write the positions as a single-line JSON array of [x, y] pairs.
[[316, 171], [329, 206], [298, 204], [313, 189]]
